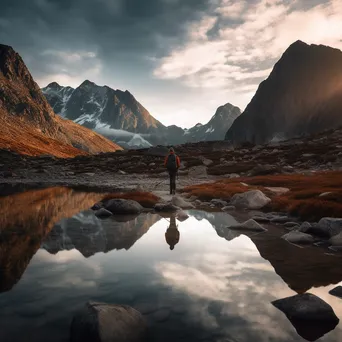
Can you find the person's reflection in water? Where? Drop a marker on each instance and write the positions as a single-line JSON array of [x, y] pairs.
[[172, 233]]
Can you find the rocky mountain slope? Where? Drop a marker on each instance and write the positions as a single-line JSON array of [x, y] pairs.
[[302, 95], [217, 126], [120, 117], [27, 122]]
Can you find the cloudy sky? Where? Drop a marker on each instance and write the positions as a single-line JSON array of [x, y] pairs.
[[180, 58]]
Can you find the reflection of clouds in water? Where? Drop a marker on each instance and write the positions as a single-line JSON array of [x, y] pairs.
[[74, 265], [244, 284]]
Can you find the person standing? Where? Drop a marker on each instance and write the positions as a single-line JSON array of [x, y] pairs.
[[172, 163]]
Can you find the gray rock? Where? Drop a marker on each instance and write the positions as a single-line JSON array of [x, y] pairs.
[[304, 227], [250, 225], [166, 207], [102, 212], [306, 307], [330, 226], [310, 315], [219, 203], [107, 323], [336, 240], [254, 199], [122, 206], [298, 237], [180, 202]]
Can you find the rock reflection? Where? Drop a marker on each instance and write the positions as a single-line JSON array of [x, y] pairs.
[[300, 268], [310, 315], [26, 218], [90, 235]]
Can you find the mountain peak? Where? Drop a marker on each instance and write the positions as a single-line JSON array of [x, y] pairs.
[[53, 85], [11, 64], [87, 83]]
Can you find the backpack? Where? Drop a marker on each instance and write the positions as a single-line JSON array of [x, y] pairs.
[[171, 163]]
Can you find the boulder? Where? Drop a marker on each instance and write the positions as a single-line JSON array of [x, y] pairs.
[[166, 207], [336, 240], [310, 315], [254, 199], [182, 203], [219, 203], [250, 225], [329, 226], [304, 227], [123, 207], [298, 237], [107, 323], [102, 212], [182, 216]]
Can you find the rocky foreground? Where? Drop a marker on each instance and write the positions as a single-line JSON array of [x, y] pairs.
[[206, 160]]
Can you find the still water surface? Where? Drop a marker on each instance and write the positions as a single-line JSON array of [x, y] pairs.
[[214, 285]]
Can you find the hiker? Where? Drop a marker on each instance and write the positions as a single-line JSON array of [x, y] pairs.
[[172, 233], [172, 163]]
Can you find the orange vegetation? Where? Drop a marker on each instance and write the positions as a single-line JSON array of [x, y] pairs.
[[146, 199], [302, 200], [21, 137]]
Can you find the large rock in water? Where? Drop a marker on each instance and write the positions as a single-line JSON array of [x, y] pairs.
[[310, 315], [123, 207], [302, 95], [298, 237], [329, 226], [254, 199], [99, 322]]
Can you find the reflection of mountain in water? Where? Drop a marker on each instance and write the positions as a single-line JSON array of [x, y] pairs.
[[219, 221], [301, 268], [26, 218], [90, 235]]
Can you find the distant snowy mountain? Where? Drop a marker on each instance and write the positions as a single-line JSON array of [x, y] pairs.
[[217, 126], [120, 117]]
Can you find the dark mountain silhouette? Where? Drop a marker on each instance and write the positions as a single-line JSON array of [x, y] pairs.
[[302, 95]]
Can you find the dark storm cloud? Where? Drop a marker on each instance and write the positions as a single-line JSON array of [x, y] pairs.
[[121, 32]]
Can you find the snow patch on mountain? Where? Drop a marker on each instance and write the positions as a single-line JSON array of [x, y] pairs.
[[138, 140]]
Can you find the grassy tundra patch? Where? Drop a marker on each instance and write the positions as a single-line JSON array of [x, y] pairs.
[[303, 200]]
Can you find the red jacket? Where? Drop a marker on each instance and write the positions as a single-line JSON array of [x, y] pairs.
[[177, 160]]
